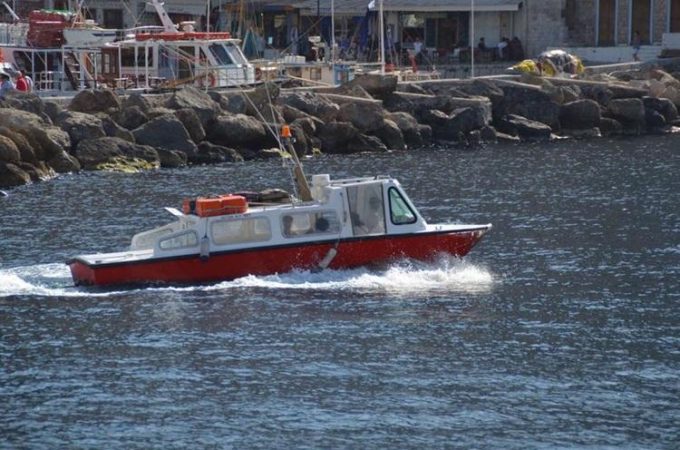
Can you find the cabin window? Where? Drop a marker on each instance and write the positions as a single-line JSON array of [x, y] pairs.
[[220, 54], [127, 57], [400, 212], [186, 239], [366, 209], [239, 231], [304, 224], [236, 55]]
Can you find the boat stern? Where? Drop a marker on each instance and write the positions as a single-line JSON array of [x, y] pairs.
[[83, 273]]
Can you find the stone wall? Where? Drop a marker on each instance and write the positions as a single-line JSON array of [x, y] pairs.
[[545, 26]]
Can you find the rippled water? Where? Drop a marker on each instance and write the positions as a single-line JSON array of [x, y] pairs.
[[561, 329]]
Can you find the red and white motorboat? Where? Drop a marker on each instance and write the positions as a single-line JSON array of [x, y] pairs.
[[339, 224]]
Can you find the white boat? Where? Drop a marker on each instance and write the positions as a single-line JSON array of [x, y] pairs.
[[63, 53], [335, 224]]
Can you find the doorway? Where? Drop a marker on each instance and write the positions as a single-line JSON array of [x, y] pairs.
[[641, 11], [606, 23]]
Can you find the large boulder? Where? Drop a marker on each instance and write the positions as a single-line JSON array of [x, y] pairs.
[[112, 129], [654, 120], [45, 139], [80, 126], [12, 175], [416, 103], [199, 101], [291, 114], [580, 114], [138, 100], [93, 101], [524, 128], [529, 102], [165, 132], [336, 136], [610, 127], [25, 102], [470, 118], [601, 94], [22, 144], [231, 102], [450, 127], [9, 153], [627, 110], [303, 130], [364, 143], [38, 171], [52, 109], [408, 126], [390, 134], [132, 117], [482, 88], [663, 106], [110, 152], [192, 123], [172, 158], [213, 154], [260, 102], [376, 85], [239, 131], [365, 116], [64, 163], [312, 104]]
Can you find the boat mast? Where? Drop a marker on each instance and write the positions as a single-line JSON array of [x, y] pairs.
[[168, 26], [299, 174], [333, 34], [382, 40], [472, 38]]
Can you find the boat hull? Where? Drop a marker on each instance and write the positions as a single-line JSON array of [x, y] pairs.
[[230, 265]]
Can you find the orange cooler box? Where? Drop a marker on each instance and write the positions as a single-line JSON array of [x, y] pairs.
[[218, 206]]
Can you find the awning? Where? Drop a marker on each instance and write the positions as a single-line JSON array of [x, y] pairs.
[[445, 5], [189, 7], [323, 7]]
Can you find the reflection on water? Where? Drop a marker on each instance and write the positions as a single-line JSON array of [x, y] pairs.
[[559, 330]]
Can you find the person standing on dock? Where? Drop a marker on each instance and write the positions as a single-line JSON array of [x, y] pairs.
[[21, 83], [636, 45], [6, 84]]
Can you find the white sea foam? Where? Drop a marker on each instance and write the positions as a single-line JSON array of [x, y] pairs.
[[47, 280], [405, 278]]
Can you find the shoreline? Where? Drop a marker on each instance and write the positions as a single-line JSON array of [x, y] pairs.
[[100, 130]]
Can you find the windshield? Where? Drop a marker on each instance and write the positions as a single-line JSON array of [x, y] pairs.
[[220, 54]]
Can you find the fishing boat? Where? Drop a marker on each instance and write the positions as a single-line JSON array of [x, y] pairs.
[[335, 223], [62, 52]]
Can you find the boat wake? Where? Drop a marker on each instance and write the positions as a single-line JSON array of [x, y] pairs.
[[44, 280], [399, 279], [403, 278]]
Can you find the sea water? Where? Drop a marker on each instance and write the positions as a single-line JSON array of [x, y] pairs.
[[560, 329]]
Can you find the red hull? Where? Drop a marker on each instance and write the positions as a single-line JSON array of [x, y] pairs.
[[271, 260]]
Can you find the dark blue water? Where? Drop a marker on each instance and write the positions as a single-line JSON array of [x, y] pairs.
[[561, 329]]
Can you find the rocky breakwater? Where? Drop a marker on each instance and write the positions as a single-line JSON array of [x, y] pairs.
[[98, 130]]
